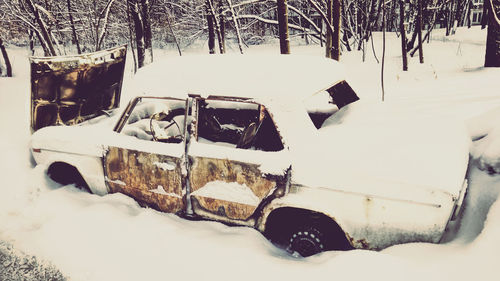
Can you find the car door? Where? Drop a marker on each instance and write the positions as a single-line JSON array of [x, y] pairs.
[[146, 159], [237, 160]]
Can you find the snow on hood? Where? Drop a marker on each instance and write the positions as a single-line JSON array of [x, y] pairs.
[[371, 148], [84, 140]]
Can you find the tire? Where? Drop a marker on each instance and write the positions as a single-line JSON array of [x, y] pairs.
[[307, 241]]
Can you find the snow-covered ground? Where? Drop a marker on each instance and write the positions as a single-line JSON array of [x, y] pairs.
[[88, 237]]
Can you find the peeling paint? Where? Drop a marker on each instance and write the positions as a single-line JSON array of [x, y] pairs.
[[205, 170], [143, 180], [71, 89]]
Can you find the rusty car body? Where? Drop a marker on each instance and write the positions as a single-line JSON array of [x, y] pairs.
[[238, 146]]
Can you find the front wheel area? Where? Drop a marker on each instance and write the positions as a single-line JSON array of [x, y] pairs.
[[304, 233], [307, 241], [65, 174]]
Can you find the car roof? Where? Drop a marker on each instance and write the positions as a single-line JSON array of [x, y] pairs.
[[263, 77]]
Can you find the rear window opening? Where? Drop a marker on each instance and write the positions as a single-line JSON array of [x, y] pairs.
[[325, 103]]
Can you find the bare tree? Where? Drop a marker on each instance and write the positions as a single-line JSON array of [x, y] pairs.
[[139, 31], [236, 24], [44, 36], [138, 9], [492, 57], [211, 10], [402, 31], [419, 34], [73, 29], [336, 34], [211, 32], [283, 26], [6, 59]]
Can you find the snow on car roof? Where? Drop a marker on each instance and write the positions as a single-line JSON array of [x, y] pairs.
[[260, 77]]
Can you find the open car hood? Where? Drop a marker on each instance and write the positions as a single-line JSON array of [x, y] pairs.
[[71, 89]]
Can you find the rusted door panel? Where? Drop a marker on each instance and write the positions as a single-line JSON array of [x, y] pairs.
[[71, 89], [206, 170], [152, 179]]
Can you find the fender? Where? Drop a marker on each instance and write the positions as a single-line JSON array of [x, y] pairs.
[[90, 167], [369, 222]]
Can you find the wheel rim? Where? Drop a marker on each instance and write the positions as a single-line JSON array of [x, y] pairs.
[[306, 243]]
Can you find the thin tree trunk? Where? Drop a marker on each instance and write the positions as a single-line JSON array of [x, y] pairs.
[[31, 37], [131, 37], [211, 33], [419, 26], [8, 66], [236, 25], [222, 24], [43, 28], [383, 51], [329, 33], [217, 26], [73, 29], [336, 35], [403, 34], [484, 19], [492, 57], [173, 34], [139, 31], [283, 27], [101, 36], [148, 36]]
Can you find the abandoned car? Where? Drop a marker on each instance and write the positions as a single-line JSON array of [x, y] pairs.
[[263, 142]]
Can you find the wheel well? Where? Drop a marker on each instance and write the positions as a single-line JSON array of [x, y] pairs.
[[281, 222], [65, 174]]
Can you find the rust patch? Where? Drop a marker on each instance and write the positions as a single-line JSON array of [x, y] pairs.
[[359, 244], [71, 89], [223, 208], [152, 179], [205, 170]]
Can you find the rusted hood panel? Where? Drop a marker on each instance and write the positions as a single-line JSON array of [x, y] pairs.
[[71, 89]]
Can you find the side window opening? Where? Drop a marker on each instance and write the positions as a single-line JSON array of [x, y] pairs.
[[326, 103], [237, 124], [156, 119]]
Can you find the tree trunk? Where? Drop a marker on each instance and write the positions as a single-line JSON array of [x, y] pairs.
[[148, 37], [236, 25], [383, 51], [403, 34], [6, 59], [492, 58], [336, 34], [329, 33], [419, 27], [211, 10], [31, 39], [211, 33], [173, 33], [43, 28], [73, 29], [484, 19], [139, 31], [283, 27], [131, 37], [222, 24]]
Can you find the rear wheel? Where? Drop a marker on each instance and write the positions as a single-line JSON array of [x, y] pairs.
[[304, 233], [307, 241]]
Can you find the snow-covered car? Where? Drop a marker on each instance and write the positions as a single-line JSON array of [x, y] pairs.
[[277, 143]]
